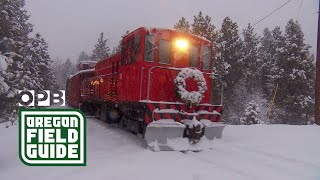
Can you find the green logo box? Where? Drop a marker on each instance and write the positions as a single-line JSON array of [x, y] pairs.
[[52, 137]]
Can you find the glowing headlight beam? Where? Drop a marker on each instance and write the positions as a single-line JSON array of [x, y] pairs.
[[182, 44]]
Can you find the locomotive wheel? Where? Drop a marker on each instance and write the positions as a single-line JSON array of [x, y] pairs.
[[113, 116], [88, 108], [98, 113], [130, 122]]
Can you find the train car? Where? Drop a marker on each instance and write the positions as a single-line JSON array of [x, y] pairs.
[[160, 84], [74, 83]]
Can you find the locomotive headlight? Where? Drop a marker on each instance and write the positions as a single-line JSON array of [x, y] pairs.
[[182, 44]]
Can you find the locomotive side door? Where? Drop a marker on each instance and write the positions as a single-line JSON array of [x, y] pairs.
[[130, 56]]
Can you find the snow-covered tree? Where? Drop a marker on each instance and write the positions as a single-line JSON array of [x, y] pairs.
[[229, 53], [4, 63], [287, 62], [41, 59], [251, 114], [270, 54], [83, 57], [296, 77], [14, 23], [229, 62], [118, 47], [14, 40], [275, 72], [182, 25], [202, 26], [250, 62], [15, 43], [101, 49], [63, 70], [267, 58], [25, 62]]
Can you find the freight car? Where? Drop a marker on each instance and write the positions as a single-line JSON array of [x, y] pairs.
[[160, 84]]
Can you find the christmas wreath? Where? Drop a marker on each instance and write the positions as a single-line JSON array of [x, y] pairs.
[[193, 97]]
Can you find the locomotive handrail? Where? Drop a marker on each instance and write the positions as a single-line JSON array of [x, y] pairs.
[[142, 69], [162, 67]]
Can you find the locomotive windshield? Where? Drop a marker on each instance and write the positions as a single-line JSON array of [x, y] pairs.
[[150, 46], [193, 56], [164, 51], [178, 52]]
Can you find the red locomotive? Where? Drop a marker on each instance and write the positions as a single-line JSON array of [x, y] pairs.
[[159, 85]]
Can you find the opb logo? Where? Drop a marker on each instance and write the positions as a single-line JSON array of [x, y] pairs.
[[42, 98]]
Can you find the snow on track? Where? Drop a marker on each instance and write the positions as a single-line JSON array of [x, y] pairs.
[[245, 152]]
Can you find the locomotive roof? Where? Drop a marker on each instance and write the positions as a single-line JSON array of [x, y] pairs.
[[150, 29], [81, 72], [88, 62]]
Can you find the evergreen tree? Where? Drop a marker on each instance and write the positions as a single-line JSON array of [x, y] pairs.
[[27, 59], [229, 63], [101, 50], [267, 59], [296, 77], [251, 114], [182, 25], [14, 43], [58, 66], [270, 54], [250, 64], [118, 47], [14, 23], [83, 57], [229, 53], [67, 69], [40, 57], [3, 67], [6, 87], [14, 30], [203, 27], [275, 52]]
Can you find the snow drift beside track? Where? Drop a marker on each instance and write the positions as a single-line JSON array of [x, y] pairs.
[[245, 152]]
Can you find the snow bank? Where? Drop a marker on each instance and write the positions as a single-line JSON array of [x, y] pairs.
[[245, 152]]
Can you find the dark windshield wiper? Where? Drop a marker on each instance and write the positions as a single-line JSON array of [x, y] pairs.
[[153, 44], [205, 53], [151, 49]]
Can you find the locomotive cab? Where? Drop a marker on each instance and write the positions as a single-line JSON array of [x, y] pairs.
[[157, 55]]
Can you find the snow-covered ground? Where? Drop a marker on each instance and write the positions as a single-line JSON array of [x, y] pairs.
[[245, 152]]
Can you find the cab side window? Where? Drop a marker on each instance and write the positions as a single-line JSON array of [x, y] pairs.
[[136, 48], [123, 53], [149, 48], [206, 57], [129, 52]]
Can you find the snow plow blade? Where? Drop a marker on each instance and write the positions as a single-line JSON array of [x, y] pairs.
[[159, 134], [169, 135], [213, 129]]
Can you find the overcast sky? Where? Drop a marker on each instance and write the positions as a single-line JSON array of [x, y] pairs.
[[70, 26]]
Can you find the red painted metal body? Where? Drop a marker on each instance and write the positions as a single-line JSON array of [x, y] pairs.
[[127, 77], [73, 88]]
